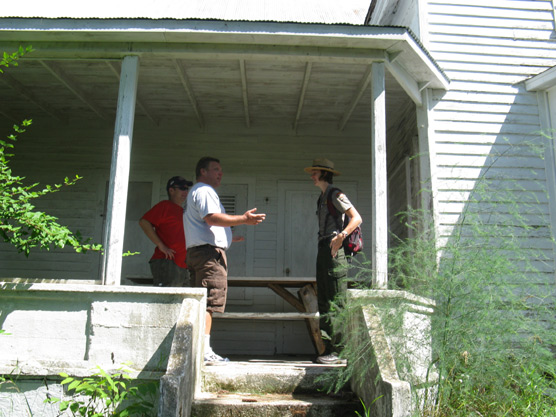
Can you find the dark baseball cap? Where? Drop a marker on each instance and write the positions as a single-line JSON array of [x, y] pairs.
[[178, 182]]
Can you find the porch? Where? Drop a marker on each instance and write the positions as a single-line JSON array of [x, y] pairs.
[[265, 98]]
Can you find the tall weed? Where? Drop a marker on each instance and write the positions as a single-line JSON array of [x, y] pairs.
[[493, 330]]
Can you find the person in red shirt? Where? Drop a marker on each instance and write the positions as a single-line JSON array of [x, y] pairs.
[[163, 225]]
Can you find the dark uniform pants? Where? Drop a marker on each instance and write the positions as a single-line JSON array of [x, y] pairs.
[[331, 274]]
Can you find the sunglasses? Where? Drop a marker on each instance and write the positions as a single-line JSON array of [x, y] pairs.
[[182, 187]]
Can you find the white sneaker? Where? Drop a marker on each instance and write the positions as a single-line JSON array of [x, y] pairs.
[[212, 358], [331, 359]]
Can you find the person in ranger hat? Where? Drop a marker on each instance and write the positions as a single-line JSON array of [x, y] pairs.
[[163, 225], [331, 259]]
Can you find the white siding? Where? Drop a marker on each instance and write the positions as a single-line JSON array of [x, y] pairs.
[[485, 125], [397, 13]]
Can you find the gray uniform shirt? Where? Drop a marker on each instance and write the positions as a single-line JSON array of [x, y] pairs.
[[327, 223]]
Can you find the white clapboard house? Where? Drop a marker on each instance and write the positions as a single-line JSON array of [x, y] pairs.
[[403, 96]]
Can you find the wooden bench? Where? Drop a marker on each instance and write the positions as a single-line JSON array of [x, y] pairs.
[[265, 316], [305, 302]]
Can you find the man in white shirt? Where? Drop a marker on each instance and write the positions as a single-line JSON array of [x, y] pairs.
[[208, 235]]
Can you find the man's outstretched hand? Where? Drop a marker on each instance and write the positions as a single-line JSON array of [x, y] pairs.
[[253, 218]]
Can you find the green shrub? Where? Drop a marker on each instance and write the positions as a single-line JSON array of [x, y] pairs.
[[21, 224], [105, 394]]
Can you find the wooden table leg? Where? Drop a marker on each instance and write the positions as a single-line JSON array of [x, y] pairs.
[[309, 297], [288, 296]]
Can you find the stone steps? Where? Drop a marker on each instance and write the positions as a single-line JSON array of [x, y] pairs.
[[270, 388], [273, 405]]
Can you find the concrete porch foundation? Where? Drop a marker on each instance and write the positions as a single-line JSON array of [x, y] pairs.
[[395, 325], [74, 328]]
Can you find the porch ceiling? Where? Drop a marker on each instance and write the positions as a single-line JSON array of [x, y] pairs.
[[211, 76], [206, 90]]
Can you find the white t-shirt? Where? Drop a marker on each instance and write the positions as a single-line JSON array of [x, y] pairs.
[[201, 201]]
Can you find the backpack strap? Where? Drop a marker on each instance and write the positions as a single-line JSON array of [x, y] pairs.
[[332, 209]]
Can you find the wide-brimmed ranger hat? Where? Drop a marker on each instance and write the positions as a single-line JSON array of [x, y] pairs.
[[178, 182], [324, 165]]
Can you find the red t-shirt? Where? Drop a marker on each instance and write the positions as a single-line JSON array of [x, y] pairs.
[[167, 218]]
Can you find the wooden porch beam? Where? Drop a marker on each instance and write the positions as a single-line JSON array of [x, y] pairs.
[[119, 172], [115, 68], [379, 178], [71, 85], [301, 100], [282, 53], [244, 91], [189, 90], [361, 87], [28, 94], [408, 83]]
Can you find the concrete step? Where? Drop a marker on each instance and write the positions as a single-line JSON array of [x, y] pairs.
[[224, 404], [269, 375], [270, 387]]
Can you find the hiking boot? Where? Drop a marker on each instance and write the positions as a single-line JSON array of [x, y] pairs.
[[212, 358], [331, 359]]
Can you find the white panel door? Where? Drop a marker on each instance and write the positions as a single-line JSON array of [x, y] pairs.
[[297, 254], [298, 226], [300, 232]]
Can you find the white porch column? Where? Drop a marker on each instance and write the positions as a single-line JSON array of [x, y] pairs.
[[119, 172], [379, 178], [427, 164]]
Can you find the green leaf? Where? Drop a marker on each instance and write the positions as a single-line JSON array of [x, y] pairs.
[[74, 385], [66, 381]]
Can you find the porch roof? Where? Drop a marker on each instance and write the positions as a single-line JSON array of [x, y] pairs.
[[542, 81], [210, 70]]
